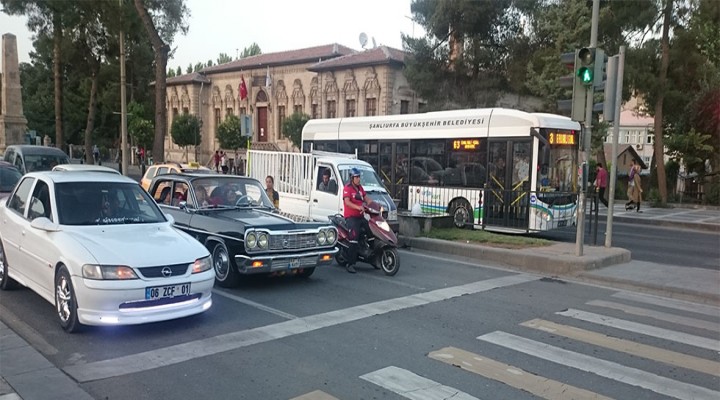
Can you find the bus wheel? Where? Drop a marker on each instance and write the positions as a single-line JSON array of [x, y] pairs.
[[461, 213]]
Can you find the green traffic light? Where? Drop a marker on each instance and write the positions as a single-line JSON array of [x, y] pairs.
[[586, 75]]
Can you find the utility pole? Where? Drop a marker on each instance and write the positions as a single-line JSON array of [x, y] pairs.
[[123, 106], [585, 145], [616, 133]]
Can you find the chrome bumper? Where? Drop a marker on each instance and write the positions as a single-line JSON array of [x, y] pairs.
[[282, 262]]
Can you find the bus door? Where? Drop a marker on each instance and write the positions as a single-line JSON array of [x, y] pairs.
[[394, 157], [508, 187]]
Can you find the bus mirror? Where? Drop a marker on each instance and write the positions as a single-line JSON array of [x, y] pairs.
[[545, 155]]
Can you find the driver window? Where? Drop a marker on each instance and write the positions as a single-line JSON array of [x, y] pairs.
[[40, 202], [19, 198], [162, 194], [326, 180]]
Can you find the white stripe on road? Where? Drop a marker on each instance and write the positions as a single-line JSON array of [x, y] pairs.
[[230, 341], [627, 346], [604, 368], [658, 315], [251, 303], [680, 337], [513, 376], [315, 395], [669, 303], [413, 386]]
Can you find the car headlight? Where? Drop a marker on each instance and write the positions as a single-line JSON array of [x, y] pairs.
[[201, 265], [331, 236], [251, 240], [262, 240], [322, 237], [108, 272], [384, 226]]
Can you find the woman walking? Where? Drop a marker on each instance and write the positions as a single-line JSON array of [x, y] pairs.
[[634, 187]]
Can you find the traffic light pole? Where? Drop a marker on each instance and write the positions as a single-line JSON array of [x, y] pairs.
[[585, 145], [616, 131]]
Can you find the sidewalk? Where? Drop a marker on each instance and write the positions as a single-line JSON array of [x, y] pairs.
[[698, 217]]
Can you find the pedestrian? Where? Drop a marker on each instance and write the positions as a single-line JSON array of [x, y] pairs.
[[271, 192], [96, 154], [601, 181], [216, 159], [634, 191], [223, 162], [354, 199]]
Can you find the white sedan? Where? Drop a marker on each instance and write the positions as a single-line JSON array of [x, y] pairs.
[[97, 246]]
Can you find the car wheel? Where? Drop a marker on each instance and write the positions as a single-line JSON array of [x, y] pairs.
[[461, 213], [225, 273], [6, 283], [66, 302]]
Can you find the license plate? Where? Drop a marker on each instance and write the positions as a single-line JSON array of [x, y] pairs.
[[294, 263], [161, 292], [562, 223]]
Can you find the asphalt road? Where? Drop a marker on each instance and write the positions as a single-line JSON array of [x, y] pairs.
[[663, 245], [368, 336]]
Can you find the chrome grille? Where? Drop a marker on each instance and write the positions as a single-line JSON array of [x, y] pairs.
[[293, 241], [156, 272]]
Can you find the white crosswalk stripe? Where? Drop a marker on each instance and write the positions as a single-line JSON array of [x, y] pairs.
[[658, 315], [670, 303], [413, 386]]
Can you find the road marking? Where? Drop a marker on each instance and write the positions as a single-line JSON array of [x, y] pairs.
[[254, 304], [512, 376], [171, 355], [658, 315], [670, 303], [315, 395], [626, 346], [680, 337], [413, 386], [600, 367]]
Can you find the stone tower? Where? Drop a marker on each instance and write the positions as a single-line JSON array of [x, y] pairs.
[[13, 124]]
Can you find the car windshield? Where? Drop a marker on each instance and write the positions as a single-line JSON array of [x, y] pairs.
[[223, 192], [368, 178], [43, 162], [105, 203], [9, 177]]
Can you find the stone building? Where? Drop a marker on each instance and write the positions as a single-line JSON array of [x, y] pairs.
[[324, 82], [13, 124]]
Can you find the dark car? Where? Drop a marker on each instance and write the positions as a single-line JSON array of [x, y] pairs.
[[9, 177], [234, 218]]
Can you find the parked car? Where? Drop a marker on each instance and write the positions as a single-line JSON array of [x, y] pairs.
[[9, 177], [171, 168], [30, 158], [85, 168], [113, 256], [234, 218]]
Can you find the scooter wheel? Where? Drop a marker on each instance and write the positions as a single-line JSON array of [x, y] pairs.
[[340, 259], [389, 261]]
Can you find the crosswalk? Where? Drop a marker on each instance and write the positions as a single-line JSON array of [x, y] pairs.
[[688, 340]]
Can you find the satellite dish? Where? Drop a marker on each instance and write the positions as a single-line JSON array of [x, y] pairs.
[[374, 44], [363, 39]]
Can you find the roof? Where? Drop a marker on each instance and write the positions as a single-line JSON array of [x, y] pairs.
[[78, 176], [299, 56], [607, 148], [84, 168], [194, 77], [377, 56], [34, 149]]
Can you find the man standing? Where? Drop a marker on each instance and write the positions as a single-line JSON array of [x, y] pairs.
[[354, 198], [601, 181]]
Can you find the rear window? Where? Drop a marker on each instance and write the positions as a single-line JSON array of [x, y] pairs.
[[9, 177], [43, 162]]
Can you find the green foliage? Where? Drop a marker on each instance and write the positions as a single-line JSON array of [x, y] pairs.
[[487, 238], [170, 73], [713, 193], [178, 71], [223, 58], [692, 148], [140, 127], [228, 133], [185, 130], [293, 125], [251, 50]]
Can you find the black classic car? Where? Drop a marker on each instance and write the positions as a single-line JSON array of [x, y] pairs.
[[234, 218]]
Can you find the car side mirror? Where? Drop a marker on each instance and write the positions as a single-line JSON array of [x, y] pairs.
[[170, 219], [44, 224], [183, 205]]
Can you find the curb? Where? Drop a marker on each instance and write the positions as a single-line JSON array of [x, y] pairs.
[[555, 259]]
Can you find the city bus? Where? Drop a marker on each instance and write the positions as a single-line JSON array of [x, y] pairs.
[[497, 169]]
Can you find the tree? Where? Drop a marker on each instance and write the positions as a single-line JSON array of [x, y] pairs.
[[223, 58], [178, 72], [185, 131], [170, 16], [251, 50], [228, 133], [292, 127], [171, 73], [140, 127]]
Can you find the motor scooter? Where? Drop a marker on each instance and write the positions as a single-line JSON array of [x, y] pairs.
[[377, 247]]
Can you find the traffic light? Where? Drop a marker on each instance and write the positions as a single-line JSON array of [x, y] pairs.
[[576, 106], [585, 66], [611, 69]]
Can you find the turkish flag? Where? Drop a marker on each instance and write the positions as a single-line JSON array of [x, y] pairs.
[[242, 89]]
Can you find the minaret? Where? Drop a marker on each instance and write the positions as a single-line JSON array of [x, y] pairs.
[[13, 124]]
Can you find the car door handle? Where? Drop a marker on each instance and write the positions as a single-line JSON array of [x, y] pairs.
[[23, 232], [315, 201]]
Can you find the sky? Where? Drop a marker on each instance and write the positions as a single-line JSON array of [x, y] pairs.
[[221, 26]]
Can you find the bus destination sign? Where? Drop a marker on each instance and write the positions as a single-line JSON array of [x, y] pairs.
[[562, 138], [466, 144]]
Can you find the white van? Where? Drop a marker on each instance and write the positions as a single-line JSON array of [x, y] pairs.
[[29, 158]]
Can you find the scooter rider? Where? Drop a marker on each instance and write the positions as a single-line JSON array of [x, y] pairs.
[[355, 198]]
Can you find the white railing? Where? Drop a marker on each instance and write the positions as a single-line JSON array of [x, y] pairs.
[[292, 171]]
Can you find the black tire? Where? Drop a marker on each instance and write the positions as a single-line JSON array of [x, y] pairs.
[[226, 274], [389, 261], [66, 302], [462, 213], [306, 273], [6, 282], [341, 258]]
